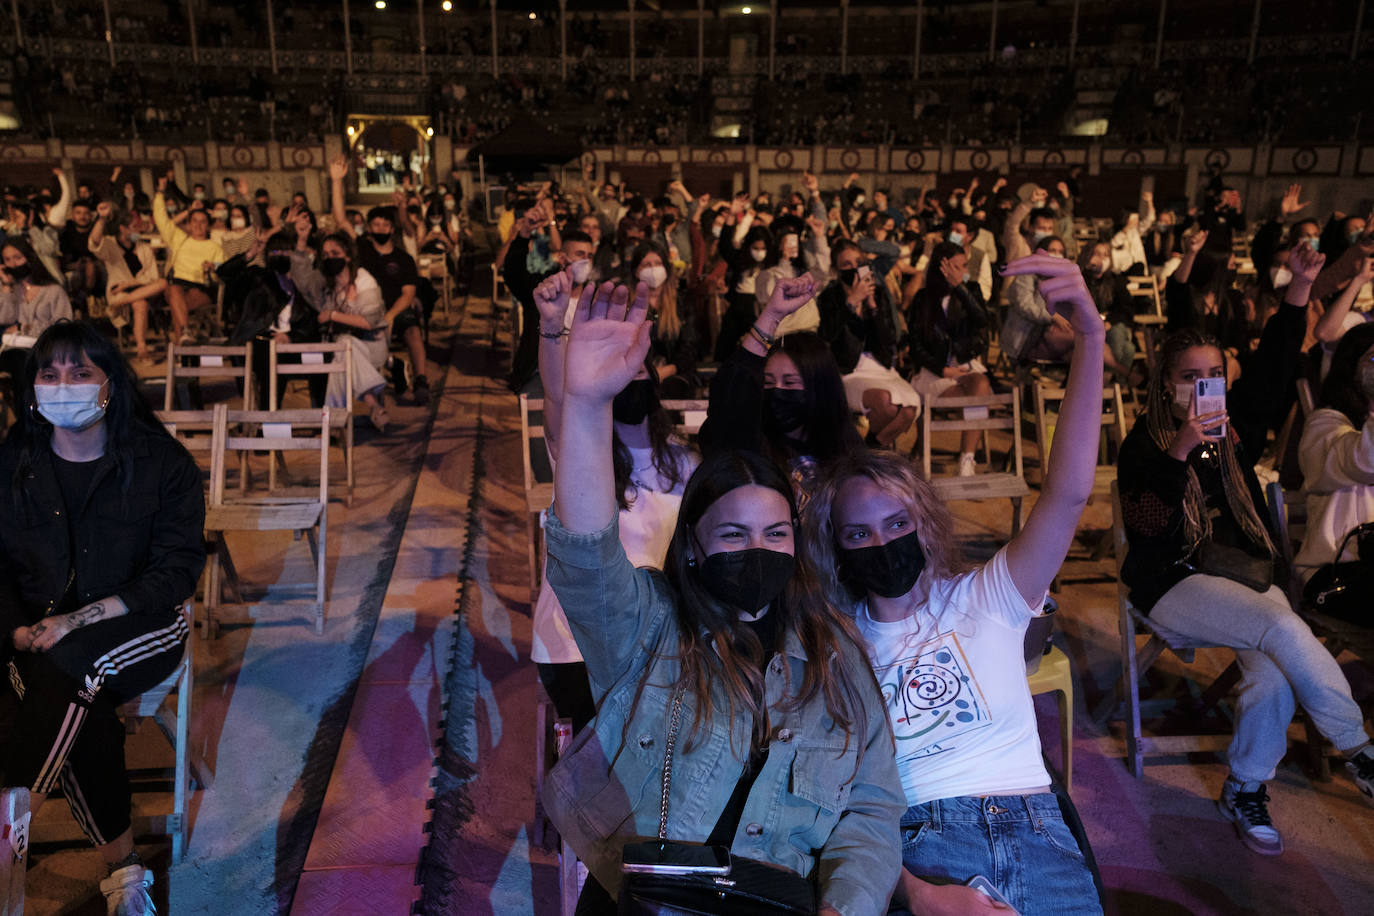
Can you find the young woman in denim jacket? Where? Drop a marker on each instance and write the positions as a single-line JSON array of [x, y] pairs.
[[784, 754], [946, 640]]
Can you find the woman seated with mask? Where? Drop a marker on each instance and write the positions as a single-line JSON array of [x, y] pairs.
[[946, 638], [675, 343], [735, 706]]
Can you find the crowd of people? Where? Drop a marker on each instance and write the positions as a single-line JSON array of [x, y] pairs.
[[753, 632]]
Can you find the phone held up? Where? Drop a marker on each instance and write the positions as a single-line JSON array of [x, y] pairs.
[[1209, 396]]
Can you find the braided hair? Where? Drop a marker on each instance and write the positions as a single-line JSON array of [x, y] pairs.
[[1163, 427]]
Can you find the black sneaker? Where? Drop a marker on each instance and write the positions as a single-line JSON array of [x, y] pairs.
[[1361, 768], [421, 390], [400, 372], [1249, 811]]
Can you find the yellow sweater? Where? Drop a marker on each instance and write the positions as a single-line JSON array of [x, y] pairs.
[[186, 256]]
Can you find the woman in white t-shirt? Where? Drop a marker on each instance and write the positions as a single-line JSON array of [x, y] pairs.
[[946, 642], [651, 469]]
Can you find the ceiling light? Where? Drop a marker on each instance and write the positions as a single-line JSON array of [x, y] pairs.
[[448, 6], [380, 4], [747, 10]]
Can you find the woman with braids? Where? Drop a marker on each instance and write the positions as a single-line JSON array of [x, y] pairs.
[[1187, 487], [101, 523], [784, 754], [651, 466], [946, 640]]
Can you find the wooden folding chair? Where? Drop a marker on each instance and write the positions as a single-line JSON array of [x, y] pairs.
[[690, 414], [326, 359], [282, 430], [1147, 290], [1136, 661], [538, 485], [1112, 425], [1009, 484], [208, 362]]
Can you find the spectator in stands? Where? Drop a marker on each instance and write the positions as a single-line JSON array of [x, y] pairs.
[[102, 518], [131, 269], [980, 798], [1029, 330], [521, 281], [1218, 313], [191, 260], [1162, 245], [1336, 455], [1015, 243], [1189, 493], [1221, 220], [395, 273], [31, 301], [651, 468], [737, 591], [790, 258], [277, 306], [1341, 231], [962, 231], [880, 245], [1127, 248], [859, 323], [28, 223], [1271, 237], [744, 247], [80, 268], [1340, 316], [948, 338], [1114, 300], [351, 309]]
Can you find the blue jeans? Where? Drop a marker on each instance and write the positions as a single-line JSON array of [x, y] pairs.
[[1018, 842]]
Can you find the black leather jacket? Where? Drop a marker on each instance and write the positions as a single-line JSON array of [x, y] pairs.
[[145, 545]]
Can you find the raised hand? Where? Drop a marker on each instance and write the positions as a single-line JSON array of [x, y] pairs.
[[973, 184], [1063, 189], [102, 209], [551, 298], [608, 343], [1039, 195], [1291, 202], [1305, 263], [1061, 284], [114, 175], [953, 275], [816, 225], [811, 183], [791, 294], [1196, 241], [999, 184], [162, 183], [338, 168], [1193, 432]]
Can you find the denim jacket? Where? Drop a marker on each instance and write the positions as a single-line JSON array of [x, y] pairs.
[[804, 812]]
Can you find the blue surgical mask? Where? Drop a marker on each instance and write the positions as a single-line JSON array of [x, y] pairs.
[[74, 407], [135, 238], [1353, 237], [1313, 242], [1037, 236]]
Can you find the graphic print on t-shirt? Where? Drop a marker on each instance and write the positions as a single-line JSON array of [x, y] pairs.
[[932, 698]]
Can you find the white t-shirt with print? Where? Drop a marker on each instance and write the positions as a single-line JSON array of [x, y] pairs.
[[646, 528], [953, 679]]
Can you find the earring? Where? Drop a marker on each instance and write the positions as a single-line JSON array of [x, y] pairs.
[[692, 562]]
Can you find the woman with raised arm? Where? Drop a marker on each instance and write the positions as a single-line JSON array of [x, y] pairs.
[[945, 640], [651, 467], [784, 755], [1202, 563]]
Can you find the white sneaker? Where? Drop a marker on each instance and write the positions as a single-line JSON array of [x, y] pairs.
[[968, 464], [14, 847], [126, 892], [1249, 812]]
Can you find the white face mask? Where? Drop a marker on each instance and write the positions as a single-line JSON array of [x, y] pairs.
[[580, 271], [966, 276], [1280, 276], [1183, 397], [790, 246], [858, 201], [956, 238], [758, 254], [238, 222], [653, 277], [715, 230], [1037, 236], [74, 407]]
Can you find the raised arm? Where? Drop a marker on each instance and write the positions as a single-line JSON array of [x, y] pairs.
[[171, 233], [1328, 329], [57, 216], [1035, 555], [607, 346], [338, 171], [551, 298], [102, 211]]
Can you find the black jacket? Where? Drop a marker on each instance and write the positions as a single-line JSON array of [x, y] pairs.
[[934, 336], [850, 335], [263, 299], [145, 546]]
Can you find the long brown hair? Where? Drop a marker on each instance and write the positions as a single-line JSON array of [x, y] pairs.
[[716, 647], [667, 321], [899, 478], [1162, 426]]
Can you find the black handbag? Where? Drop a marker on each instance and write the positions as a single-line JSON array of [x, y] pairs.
[[748, 888], [1232, 563], [1346, 589]]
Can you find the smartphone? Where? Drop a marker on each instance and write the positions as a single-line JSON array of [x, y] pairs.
[[656, 857], [865, 272], [1209, 396], [987, 889]]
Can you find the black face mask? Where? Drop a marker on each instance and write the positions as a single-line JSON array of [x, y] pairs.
[[889, 570], [849, 277], [747, 579], [632, 405], [784, 409], [20, 272], [279, 263], [381, 238], [332, 267]]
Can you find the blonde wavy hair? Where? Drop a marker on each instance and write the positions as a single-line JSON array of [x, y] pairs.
[[899, 478]]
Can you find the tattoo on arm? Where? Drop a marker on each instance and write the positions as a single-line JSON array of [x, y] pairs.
[[88, 615], [37, 630]]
